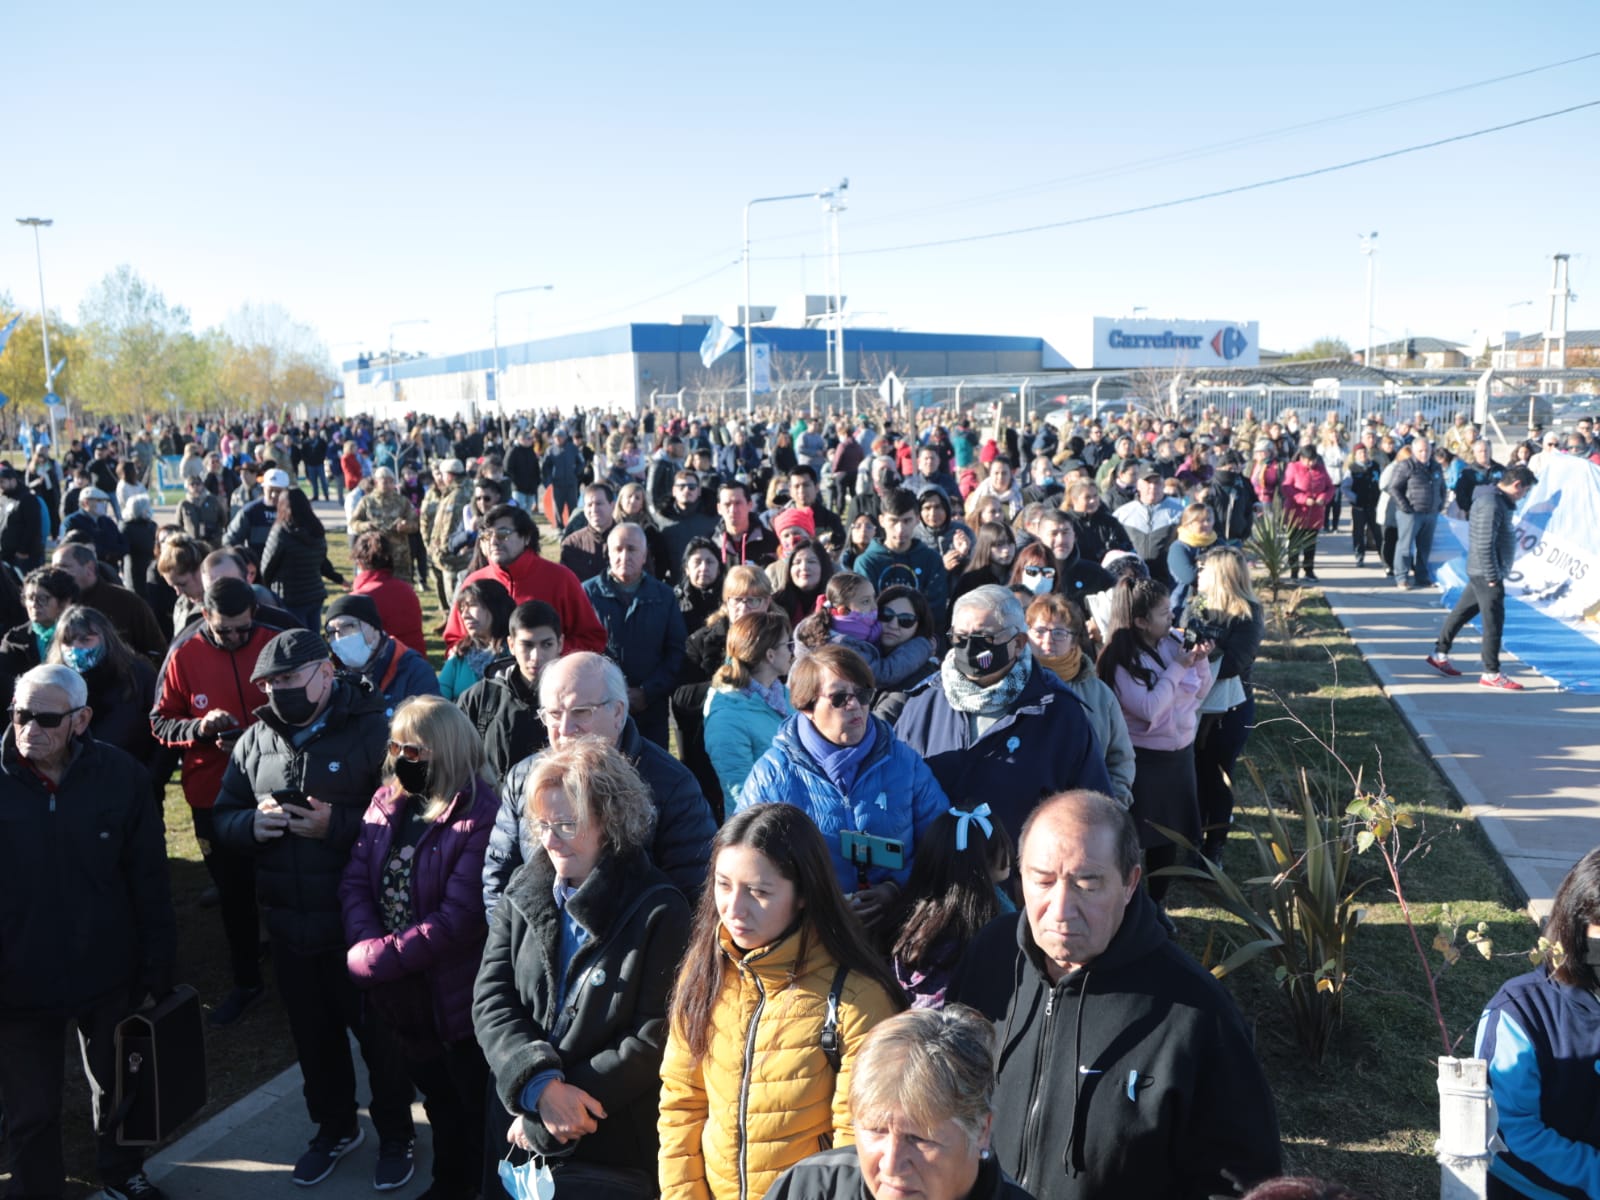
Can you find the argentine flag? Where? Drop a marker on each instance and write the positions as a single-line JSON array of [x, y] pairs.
[[718, 341], [5, 334]]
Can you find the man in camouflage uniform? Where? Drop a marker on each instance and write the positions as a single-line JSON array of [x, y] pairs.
[[447, 522], [386, 510]]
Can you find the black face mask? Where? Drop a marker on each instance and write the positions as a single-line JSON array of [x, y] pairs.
[[977, 655], [414, 777], [1591, 953], [292, 705]]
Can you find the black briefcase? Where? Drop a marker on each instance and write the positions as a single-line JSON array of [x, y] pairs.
[[161, 1069]]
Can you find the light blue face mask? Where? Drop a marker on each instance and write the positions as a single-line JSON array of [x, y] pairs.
[[83, 658], [530, 1181]]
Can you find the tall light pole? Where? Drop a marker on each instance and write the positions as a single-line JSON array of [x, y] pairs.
[[44, 318], [1369, 247], [749, 357], [537, 287], [833, 205], [1506, 361], [394, 381]]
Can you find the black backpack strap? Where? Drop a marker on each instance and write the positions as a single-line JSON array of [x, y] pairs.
[[831, 1049]]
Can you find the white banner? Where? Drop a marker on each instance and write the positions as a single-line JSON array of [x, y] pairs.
[[761, 371], [1176, 345]]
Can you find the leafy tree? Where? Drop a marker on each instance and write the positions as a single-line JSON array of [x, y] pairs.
[[136, 342], [1323, 347], [22, 375], [271, 361]]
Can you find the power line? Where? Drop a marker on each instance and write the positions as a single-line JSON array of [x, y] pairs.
[[1195, 199], [711, 274]]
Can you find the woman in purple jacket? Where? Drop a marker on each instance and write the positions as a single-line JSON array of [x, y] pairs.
[[413, 914]]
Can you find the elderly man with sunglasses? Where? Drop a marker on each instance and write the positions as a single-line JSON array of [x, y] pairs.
[[88, 924]]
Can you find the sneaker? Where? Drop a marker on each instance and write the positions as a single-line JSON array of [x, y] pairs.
[[233, 1005], [1407, 586], [395, 1166], [1501, 682], [134, 1187], [324, 1153], [1442, 664]]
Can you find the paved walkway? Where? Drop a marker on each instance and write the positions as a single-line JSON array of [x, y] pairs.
[[1526, 765]]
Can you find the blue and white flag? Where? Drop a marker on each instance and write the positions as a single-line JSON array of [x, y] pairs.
[[718, 341], [56, 368], [5, 334], [377, 378]]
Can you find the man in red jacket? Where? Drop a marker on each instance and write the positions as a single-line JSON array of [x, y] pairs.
[[204, 701], [507, 536]]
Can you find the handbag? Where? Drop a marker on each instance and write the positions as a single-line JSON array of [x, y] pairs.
[[1225, 694], [161, 1069]]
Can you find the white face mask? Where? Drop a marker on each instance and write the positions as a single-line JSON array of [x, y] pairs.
[[352, 650]]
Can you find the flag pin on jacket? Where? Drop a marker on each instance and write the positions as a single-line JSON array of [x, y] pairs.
[[1012, 744]]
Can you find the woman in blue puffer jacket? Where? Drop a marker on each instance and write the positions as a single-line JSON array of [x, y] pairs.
[[869, 793]]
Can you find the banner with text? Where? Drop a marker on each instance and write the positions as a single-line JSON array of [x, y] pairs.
[[1553, 591]]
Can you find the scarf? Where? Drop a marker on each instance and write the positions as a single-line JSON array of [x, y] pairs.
[[1066, 666], [863, 627], [776, 697], [965, 696], [1194, 539], [841, 764]]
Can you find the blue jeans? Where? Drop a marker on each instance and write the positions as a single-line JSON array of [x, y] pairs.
[[1414, 546], [317, 477], [526, 501]]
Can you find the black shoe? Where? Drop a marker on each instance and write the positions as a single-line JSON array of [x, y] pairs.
[[233, 1005], [324, 1153], [1311, 577], [134, 1187], [395, 1165]]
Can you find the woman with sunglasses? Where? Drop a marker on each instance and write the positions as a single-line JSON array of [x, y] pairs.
[[904, 615], [412, 900], [571, 996], [868, 792]]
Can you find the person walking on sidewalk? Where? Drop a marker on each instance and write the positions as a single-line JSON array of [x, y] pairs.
[[1492, 543]]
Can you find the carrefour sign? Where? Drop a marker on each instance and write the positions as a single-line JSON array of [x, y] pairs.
[[1182, 344]]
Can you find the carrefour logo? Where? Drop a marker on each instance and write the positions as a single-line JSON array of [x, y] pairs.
[[1229, 343]]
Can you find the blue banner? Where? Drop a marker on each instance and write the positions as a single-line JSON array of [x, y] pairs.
[[1553, 589]]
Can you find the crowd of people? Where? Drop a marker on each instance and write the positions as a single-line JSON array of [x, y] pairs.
[[759, 765]]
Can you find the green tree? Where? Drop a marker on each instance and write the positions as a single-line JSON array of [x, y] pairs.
[[1323, 347], [22, 374], [272, 361], [134, 365]]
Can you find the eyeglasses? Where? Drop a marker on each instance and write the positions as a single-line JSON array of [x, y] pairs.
[[579, 713], [565, 830], [1039, 572], [904, 620], [1049, 633], [406, 751], [844, 697], [497, 535], [45, 720], [686, 487]]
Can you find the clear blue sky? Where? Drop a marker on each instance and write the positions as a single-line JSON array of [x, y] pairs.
[[361, 164]]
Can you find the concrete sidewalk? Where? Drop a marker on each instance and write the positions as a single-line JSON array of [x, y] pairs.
[[1526, 765]]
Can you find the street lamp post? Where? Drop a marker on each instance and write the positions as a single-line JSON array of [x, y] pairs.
[[1369, 247], [394, 381], [833, 205], [1506, 361], [537, 287], [44, 319], [749, 358]]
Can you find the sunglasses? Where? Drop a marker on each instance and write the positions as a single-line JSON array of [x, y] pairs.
[[406, 751], [497, 535], [843, 698], [904, 620], [45, 720], [1039, 572]]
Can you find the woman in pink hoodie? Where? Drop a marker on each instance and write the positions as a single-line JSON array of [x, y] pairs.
[[1159, 683]]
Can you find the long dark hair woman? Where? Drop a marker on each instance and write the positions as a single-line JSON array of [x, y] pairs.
[[1159, 684], [291, 562], [994, 550], [772, 942], [799, 578], [122, 684]]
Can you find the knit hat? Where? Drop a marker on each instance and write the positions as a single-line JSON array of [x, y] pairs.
[[361, 608], [789, 518]]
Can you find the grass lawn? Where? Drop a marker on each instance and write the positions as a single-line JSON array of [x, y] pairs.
[[1367, 1114]]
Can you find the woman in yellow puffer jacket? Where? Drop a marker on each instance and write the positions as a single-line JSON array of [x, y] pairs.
[[747, 1088]]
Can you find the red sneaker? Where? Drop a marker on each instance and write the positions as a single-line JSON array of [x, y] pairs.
[[1501, 682], [1442, 665]]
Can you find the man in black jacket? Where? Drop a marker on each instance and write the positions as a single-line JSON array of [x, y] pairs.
[[89, 927], [1491, 547], [503, 706], [522, 468], [314, 757], [1417, 489], [22, 531], [1361, 481], [1124, 1068]]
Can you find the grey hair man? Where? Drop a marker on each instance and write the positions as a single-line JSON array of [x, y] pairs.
[[1157, 1090], [586, 695]]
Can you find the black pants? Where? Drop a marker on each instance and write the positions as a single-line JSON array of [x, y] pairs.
[[453, 1080], [1364, 526], [235, 877], [31, 1079], [322, 1005], [1330, 515], [1391, 541], [1217, 746], [1307, 554], [1484, 600], [419, 558]]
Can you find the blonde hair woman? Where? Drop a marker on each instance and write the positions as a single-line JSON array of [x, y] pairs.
[[412, 898]]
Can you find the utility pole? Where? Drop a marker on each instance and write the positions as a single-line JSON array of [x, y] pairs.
[[833, 205], [1369, 247], [1555, 325]]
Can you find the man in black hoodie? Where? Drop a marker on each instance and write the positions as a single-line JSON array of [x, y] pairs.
[[1124, 1068]]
